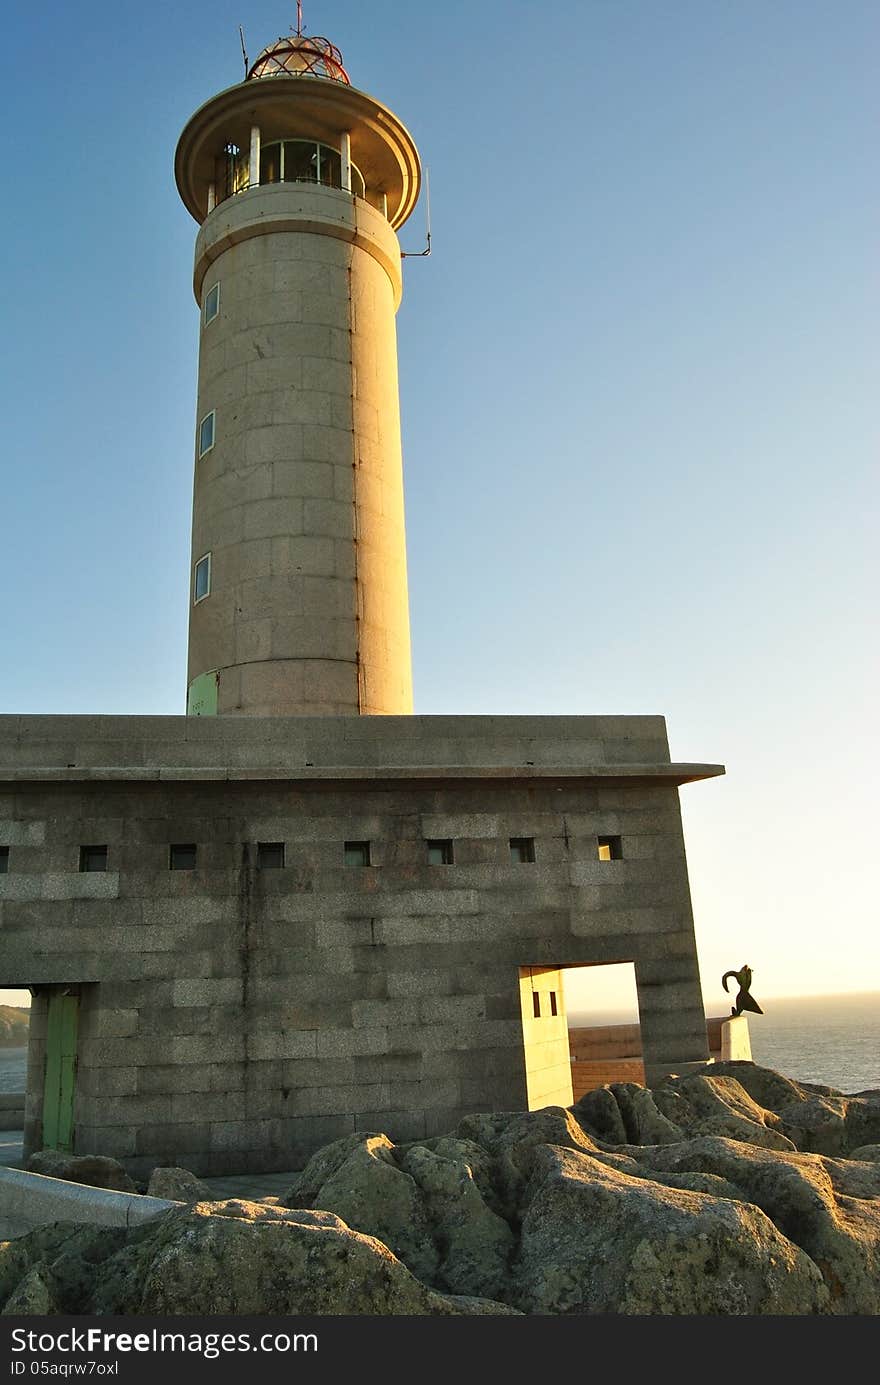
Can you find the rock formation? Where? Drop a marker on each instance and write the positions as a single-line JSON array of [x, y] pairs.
[[178, 1185], [95, 1170], [735, 1192]]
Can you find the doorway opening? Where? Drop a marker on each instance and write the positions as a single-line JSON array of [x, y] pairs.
[[604, 1033], [40, 1068]]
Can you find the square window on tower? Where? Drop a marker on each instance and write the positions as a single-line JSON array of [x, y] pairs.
[[206, 433], [212, 302], [202, 579]]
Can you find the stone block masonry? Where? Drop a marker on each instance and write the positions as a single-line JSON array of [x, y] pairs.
[[235, 1016]]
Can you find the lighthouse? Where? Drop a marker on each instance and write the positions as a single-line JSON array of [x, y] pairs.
[[298, 591]]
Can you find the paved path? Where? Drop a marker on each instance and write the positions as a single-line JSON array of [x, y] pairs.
[[10, 1148]]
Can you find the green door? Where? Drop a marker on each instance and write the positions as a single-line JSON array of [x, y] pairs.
[[60, 1071]]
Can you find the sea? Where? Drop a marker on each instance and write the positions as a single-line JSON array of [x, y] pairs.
[[832, 1040]]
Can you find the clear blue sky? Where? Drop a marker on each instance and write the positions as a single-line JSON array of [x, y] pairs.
[[638, 382]]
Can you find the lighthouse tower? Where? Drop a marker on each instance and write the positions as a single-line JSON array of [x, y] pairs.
[[298, 600]]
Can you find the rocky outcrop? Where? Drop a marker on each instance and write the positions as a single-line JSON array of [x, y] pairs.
[[32, 1295], [596, 1240], [215, 1259], [95, 1170], [718, 1105], [358, 1178], [871, 1152], [816, 1119], [178, 1185], [706, 1195], [816, 1203]]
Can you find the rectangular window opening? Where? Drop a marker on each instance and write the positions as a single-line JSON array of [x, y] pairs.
[[553, 1009], [522, 850], [212, 302], [202, 579], [182, 856], [610, 848], [270, 855], [206, 433], [356, 854], [536, 1004], [4, 860], [440, 852], [92, 858]]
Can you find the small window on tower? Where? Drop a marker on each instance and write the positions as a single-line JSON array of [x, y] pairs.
[[92, 858], [206, 434], [4, 859], [182, 856], [270, 855], [610, 848], [536, 1004], [439, 852], [202, 579], [212, 302], [522, 850], [356, 854], [553, 1008]]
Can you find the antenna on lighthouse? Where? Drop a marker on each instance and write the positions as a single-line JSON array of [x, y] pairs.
[[243, 49], [299, 18], [420, 254]]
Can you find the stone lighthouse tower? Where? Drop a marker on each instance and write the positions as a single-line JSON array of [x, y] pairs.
[[298, 601]]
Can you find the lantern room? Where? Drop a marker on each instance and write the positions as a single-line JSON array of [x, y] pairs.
[[297, 119]]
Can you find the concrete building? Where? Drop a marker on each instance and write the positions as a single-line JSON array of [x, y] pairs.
[[280, 919]]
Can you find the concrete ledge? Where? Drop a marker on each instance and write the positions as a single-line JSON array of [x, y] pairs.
[[30, 1200], [673, 774]]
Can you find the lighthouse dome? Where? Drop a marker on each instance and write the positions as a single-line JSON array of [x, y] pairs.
[[300, 55]]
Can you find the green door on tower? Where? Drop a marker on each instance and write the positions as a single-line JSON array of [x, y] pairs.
[[60, 1082]]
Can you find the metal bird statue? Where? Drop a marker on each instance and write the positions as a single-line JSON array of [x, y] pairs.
[[744, 1001]]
